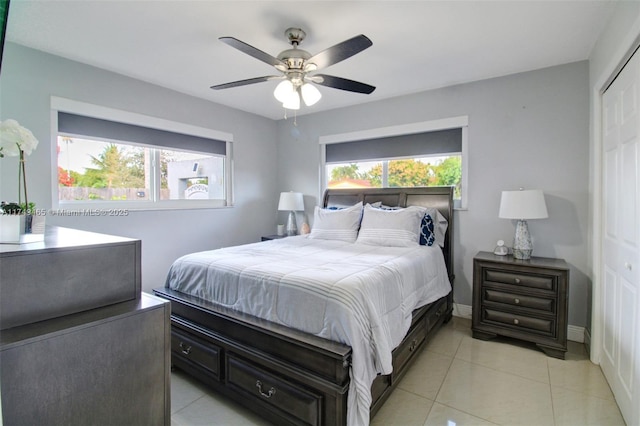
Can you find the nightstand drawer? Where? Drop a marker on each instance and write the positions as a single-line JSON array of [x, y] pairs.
[[520, 321], [515, 278], [531, 302]]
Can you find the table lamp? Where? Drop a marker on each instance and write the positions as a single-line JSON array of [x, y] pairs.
[[522, 205], [292, 202]]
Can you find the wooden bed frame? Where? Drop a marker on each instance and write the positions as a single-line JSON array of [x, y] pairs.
[[285, 375]]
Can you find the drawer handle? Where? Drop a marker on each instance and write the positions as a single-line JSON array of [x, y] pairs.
[[269, 394], [186, 349], [517, 280], [516, 301], [515, 321], [413, 345]]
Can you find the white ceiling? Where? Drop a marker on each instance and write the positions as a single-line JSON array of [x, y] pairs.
[[417, 45]]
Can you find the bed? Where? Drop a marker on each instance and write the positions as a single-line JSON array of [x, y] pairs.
[[306, 369]]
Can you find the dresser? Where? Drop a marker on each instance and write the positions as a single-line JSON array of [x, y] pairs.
[[522, 299], [79, 342]]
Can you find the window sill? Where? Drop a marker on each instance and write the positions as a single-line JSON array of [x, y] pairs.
[[106, 208]]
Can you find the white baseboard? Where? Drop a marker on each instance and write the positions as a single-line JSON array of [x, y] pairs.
[[462, 311], [574, 333]]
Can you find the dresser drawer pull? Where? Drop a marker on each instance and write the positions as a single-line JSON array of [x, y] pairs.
[[269, 394], [186, 349], [516, 322], [517, 280], [516, 301]]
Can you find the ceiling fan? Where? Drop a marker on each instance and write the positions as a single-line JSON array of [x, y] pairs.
[[296, 65]]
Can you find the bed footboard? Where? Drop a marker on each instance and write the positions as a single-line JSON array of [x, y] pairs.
[[287, 376]]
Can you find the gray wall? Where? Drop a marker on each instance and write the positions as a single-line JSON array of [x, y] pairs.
[[526, 130], [29, 78]]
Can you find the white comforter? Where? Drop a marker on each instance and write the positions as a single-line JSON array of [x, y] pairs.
[[357, 294]]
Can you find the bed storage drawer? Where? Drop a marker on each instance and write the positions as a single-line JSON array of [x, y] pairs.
[[195, 351], [436, 314], [287, 398], [406, 349]]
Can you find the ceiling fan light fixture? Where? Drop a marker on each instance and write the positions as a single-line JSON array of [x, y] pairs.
[[284, 90], [292, 101], [295, 64], [310, 94]]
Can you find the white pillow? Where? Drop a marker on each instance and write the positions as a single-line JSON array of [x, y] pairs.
[[393, 228], [440, 224], [339, 224]]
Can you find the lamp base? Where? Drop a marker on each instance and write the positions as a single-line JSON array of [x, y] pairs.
[[292, 227], [522, 246]]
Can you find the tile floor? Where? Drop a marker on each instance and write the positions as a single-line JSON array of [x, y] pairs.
[[456, 380]]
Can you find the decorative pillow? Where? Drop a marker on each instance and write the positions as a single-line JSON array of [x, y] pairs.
[[337, 224], [393, 228], [433, 227], [427, 231]]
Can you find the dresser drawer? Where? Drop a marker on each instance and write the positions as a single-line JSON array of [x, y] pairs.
[[520, 322], [196, 351], [543, 282], [538, 303], [289, 399]]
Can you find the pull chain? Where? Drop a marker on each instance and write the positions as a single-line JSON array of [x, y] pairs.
[[295, 117]]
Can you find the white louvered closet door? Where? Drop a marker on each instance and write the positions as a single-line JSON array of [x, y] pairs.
[[621, 240]]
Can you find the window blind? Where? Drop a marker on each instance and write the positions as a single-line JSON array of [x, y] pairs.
[[413, 145], [80, 125]]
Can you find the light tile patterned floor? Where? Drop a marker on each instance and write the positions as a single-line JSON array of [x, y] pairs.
[[456, 380]]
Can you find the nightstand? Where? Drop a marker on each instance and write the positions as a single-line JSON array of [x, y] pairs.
[[522, 299], [272, 237]]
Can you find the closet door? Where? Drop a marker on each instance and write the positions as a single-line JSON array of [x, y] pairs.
[[621, 240]]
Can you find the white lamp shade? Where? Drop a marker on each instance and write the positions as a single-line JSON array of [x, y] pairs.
[[284, 90], [291, 201], [292, 101], [523, 204], [310, 94]]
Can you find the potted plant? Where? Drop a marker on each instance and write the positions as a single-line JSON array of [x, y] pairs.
[[15, 218]]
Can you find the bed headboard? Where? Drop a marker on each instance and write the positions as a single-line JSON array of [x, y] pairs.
[[440, 197]]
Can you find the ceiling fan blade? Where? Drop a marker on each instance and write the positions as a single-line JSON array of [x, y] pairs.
[[252, 51], [340, 51], [342, 83], [247, 81]]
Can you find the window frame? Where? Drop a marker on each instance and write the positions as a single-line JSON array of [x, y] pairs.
[[460, 122], [90, 110]]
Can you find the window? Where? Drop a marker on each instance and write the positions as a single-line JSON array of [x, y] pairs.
[[418, 171], [108, 163], [429, 154]]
